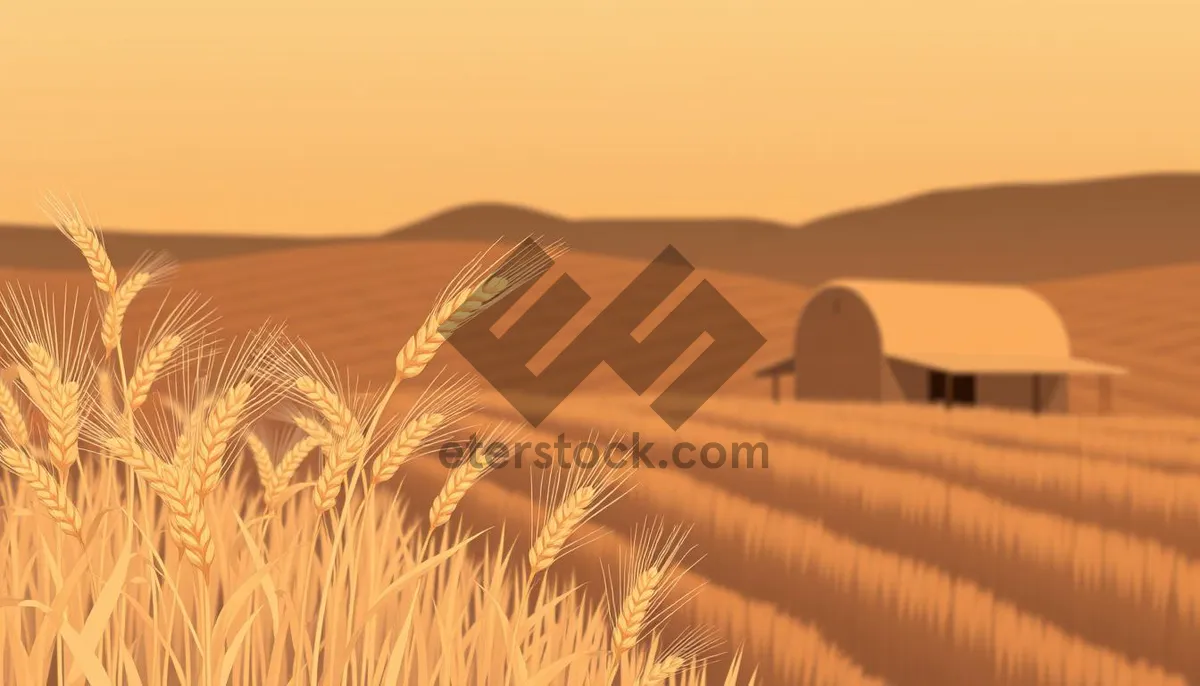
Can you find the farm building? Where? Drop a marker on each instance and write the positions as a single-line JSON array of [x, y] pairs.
[[995, 345]]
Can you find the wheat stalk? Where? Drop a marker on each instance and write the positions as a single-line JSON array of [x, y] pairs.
[[339, 415], [118, 304], [333, 473], [451, 314], [48, 491], [559, 528], [137, 391], [12, 417], [218, 428], [404, 445], [635, 610]]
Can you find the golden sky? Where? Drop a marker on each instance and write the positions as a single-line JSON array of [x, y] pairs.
[[328, 116]]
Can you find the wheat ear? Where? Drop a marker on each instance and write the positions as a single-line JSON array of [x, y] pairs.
[[662, 670], [87, 241], [219, 425], [461, 479], [146, 465], [148, 369], [635, 610], [289, 463], [559, 528], [46, 489], [339, 415], [189, 525], [118, 304], [60, 405], [314, 429], [263, 462], [406, 442], [12, 418], [337, 465], [444, 320]]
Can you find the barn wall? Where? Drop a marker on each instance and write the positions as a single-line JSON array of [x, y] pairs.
[[905, 381], [838, 349], [1015, 391]]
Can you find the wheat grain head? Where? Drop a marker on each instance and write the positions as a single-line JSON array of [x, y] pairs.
[[431, 418], [46, 489], [649, 576], [87, 239], [465, 475]]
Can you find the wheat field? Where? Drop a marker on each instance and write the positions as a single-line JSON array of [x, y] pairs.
[[275, 517], [163, 522]]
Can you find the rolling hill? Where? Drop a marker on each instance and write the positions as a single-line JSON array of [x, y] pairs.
[[1015, 233]]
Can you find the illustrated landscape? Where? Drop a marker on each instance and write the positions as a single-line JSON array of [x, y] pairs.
[[979, 405]]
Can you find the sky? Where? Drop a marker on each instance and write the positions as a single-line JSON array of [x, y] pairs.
[[349, 116]]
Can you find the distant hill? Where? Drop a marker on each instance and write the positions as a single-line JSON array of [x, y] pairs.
[[1017, 232], [42, 247]]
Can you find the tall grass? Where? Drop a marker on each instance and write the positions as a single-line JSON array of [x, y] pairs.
[[160, 526]]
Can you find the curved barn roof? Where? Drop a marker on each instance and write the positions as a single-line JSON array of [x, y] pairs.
[[969, 327]]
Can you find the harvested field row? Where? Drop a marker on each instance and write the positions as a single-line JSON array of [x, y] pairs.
[[1130, 594], [1172, 445], [897, 616], [1126, 497], [785, 650]]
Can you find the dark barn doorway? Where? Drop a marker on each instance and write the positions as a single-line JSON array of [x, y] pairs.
[[952, 390]]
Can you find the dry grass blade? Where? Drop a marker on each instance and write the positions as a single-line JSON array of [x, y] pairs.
[[46, 489]]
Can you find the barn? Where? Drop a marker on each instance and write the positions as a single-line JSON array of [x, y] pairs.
[[953, 343]]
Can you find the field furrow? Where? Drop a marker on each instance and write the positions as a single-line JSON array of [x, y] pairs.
[[898, 616]]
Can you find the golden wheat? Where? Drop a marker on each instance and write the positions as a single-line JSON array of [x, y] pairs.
[[459, 481], [88, 241], [114, 313], [314, 429], [46, 489], [264, 463], [662, 670], [559, 528], [12, 418], [337, 466], [289, 463], [137, 391], [336, 411], [636, 609], [447, 317], [219, 426], [405, 444], [59, 405]]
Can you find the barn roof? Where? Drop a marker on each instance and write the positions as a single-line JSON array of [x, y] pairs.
[[960, 327]]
